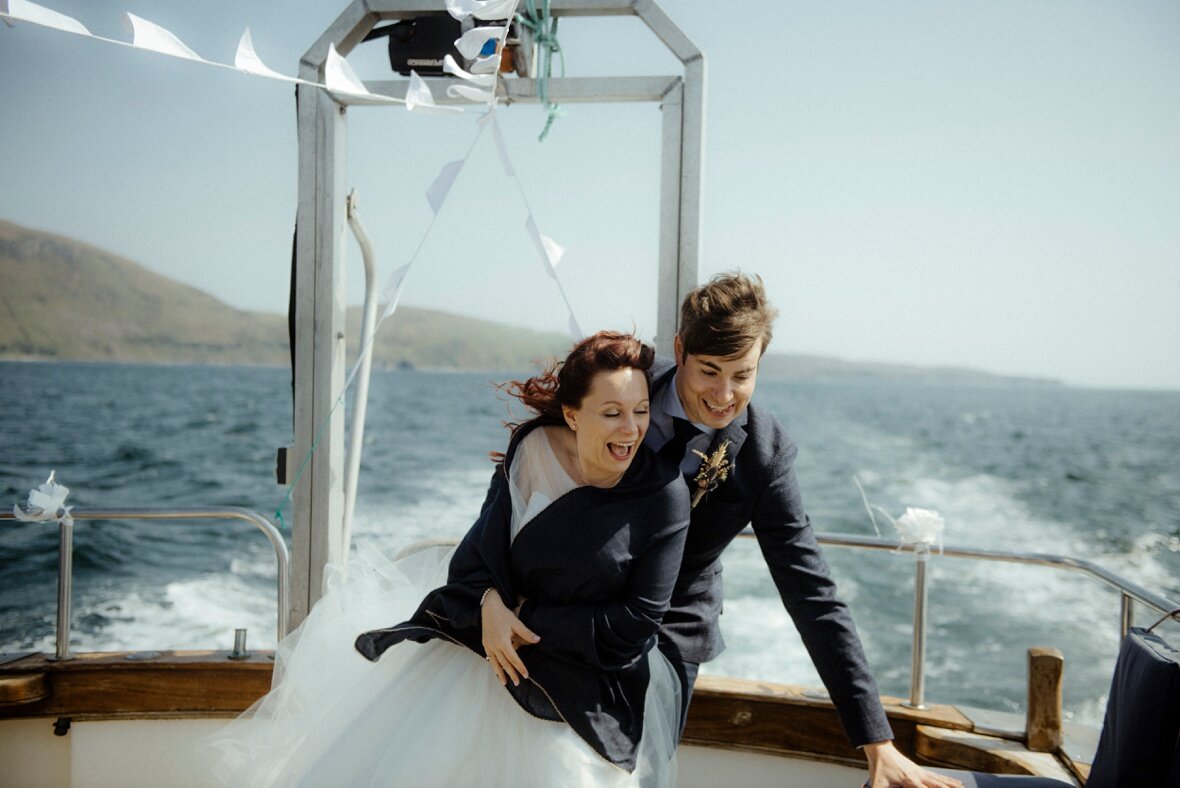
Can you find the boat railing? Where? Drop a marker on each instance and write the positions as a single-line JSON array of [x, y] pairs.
[[1130, 592], [66, 554]]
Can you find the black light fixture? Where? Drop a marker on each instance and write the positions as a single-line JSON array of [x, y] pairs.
[[421, 43]]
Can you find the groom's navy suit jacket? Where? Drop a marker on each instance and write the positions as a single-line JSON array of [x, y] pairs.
[[761, 491]]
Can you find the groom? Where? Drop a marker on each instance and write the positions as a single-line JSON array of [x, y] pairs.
[[703, 403]]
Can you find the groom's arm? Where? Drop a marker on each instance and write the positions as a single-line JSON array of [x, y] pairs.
[[808, 592]]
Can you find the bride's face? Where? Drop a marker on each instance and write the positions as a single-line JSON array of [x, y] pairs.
[[610, 424]]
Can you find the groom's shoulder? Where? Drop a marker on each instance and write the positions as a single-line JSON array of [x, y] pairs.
[[766, 436]]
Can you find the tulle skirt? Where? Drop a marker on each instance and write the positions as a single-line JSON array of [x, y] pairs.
[[428, 714]]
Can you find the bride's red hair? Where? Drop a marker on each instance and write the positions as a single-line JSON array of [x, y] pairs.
[[566, 382]]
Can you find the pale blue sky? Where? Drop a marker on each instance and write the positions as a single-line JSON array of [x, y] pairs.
[[993, 185]]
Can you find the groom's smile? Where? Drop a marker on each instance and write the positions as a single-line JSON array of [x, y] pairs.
[[714, 390]]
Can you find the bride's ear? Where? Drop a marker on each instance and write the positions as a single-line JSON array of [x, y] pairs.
[[571, 419]]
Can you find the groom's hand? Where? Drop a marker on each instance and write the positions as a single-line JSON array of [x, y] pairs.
[[888, 768], [502, 634]]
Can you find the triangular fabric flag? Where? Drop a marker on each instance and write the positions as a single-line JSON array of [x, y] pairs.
[[436, 195], [148, 35], [471, 94], [471, 43], [574, 329], [247, 60], [483, 80], [38, 15], [340, 78], [392, 292], [550, 252], [338, 75], [486, 65], [420, 99], [481, 9]]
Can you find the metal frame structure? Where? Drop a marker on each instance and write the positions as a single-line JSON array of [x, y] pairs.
[[318, 498]]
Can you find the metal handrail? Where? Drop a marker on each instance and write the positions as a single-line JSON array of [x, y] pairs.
[[1130, 592], [66, 558]]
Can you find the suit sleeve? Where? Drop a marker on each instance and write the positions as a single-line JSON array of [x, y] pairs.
[[482, 559], [613, 635], [808, 592]]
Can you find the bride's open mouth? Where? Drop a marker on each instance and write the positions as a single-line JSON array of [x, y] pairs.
[[620, 451]]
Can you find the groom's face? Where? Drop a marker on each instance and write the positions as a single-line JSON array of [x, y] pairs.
[[715, 389]]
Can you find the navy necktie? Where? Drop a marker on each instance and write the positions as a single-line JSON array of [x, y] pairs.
[[682, 432]]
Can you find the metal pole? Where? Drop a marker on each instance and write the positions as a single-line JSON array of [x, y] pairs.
[[1126, 615], [918, 659], [65, 571]]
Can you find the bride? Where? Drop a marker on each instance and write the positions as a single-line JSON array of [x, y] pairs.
[[580, 536]]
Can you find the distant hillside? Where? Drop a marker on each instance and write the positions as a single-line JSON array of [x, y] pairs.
[[65, 300], [817, 368], [62, 299]]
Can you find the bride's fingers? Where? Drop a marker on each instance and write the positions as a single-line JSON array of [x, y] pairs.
[[497, 671], [510, 664], [524, 633], [515, 663]]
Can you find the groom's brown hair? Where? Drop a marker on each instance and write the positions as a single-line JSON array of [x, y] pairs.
[[726, 316]]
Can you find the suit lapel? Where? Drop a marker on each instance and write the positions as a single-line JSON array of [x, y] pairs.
[[735, 433]]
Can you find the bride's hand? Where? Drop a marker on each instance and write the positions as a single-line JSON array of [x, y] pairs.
[[502, 632]]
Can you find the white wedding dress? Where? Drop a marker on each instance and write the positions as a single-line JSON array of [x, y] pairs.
[[428, 714]]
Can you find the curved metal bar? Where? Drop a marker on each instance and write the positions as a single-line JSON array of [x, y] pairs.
[[1129, 592], [356, 438], [1129, 588], [282, 554]]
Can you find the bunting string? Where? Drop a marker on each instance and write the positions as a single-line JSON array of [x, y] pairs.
[[339, 78], [479, 86]]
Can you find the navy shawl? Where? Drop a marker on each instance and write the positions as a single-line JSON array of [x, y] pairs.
[[597, 568]]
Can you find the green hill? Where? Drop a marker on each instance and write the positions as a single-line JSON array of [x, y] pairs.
[[64, 300]]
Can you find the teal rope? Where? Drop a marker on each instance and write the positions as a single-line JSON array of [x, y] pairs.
[[544, 30], [307, 458]]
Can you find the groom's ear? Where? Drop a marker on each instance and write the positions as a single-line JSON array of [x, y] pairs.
[[678, 350]]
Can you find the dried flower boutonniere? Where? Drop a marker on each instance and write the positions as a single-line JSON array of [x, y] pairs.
[[714, 470]]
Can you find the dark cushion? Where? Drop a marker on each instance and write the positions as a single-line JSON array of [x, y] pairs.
[[1138, 742]]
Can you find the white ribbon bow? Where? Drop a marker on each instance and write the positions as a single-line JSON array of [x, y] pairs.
[[46, 503]]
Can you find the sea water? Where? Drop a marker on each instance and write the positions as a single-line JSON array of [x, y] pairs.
[[1085, 473]]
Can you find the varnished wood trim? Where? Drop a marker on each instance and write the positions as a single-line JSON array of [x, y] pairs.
[[756, 715], [976, 752], [105, 685], [15, 690], [726, 713]]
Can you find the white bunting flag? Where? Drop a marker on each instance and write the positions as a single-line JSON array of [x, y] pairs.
[[483, 80], [338, 75], [420, 99], [486, 65], [436, 195], [247, 60], [340, 78], [481, 9], [471, 94], [392, 292], [574, 329], [38, 15], [146, 35], [472, 42], [551, 252]]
